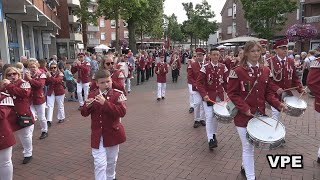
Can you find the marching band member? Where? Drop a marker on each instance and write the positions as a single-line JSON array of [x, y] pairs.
[[130, 68], [56, 92], [141, 68], [116, 75], [193, 72], [161, 71], [222, 55], [20, 91], [230, 61], [7, 139], [82, 67], [37, 79], [251, 76], [313, 83], [211, 83], [175, 64], [148, 65], [265, 56], [283, 72], [191, 92], [107, 107]]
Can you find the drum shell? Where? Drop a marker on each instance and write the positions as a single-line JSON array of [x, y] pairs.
[[294, 111], [222, 118]]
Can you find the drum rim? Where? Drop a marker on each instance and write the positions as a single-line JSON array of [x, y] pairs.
[[284, 100]]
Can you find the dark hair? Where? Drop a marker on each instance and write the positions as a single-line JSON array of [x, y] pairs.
[[214, 49], [102, 74]]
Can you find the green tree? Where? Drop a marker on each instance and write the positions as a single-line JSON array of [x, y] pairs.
[[266, 17], [174, 29]]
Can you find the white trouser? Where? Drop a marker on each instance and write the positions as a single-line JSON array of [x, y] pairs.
[[105, 161], [85, 87], [161, 90], [211, 121], [247, 154], [25, 136], [275, 113], [39, 113], [191, 96], [6, 167], [60, 103], [127, 82], [198, 107], [317, 116]]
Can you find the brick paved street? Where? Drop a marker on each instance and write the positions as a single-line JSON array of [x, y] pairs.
[[162, 144]]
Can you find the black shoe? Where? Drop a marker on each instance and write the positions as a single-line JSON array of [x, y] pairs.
[[162, 97], [243, 172], [80, 107], [191, 110], [61, 121], [203, 123], [215, 141], [26, 160], [128, 92], [318, 161], [196, 124], [43, 135], [158, 99], [49, 123]]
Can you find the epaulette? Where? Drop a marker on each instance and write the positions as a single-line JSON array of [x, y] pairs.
[[122, 98], [225, 69], [189, 67], [233, 74], [118, 91], [203, 69], [121, 75], [43, 76], [25, 85], [315, 64]]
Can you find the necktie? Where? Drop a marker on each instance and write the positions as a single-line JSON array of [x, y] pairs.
[[282, 64], [201, 65], [255, 70]]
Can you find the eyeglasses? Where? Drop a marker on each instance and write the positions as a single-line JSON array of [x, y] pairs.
[[10, 74], [108, 63], [53, 68], [81, 57]]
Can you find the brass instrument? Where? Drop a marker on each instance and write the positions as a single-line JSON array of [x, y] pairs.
[[103, 93]]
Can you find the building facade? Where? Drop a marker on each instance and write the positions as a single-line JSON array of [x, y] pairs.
[[312, 16], [28, 28], [69, 40]]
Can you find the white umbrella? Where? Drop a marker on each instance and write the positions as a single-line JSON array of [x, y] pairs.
[[228, 44], [221, 46], [102, 46]]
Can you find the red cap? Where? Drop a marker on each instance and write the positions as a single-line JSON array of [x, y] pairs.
[[81, 54], [221, 50], [200, 50], [280, 43], [263, 42]]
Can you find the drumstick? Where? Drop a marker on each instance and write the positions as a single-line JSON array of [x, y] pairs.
[[303, 92], [279, 119], [261, 120], [214, 102]]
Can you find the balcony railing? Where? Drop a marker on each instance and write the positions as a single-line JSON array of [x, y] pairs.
[[76, 37], [73, 19], [312, 19], [92, 28], [93, 42], [73, 2]]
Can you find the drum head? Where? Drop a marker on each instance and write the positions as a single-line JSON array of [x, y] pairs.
[[264, 132], [221, 109], [295, 102]]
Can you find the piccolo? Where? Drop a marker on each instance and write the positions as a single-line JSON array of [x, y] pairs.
[[103, 93]]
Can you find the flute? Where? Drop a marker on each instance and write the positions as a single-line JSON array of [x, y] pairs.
[[103, 93]]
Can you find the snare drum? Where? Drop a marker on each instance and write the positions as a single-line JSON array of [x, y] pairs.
[[221, 113], [296, 106], [264, 136]]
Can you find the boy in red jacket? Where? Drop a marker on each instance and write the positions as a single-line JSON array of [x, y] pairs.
[[107, 107]]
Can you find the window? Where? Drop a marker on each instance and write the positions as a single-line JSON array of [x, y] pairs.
[[234, 29], [126, 34], [234, 11], [102, 23], [298, 14], [103, 36], [229, 11], [113, 36], [125, 24], [113, 23], [248, 24], [91, 36], [229, 31]]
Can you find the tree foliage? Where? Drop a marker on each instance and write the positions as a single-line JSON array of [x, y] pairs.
[[174, 29], [266, 17]]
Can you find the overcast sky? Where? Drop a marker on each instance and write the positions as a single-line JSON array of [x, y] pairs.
[[175, 6]]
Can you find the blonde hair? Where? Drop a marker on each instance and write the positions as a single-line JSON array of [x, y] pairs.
[[33, 62], [103, 60], [19, 65], [13, 69], [247, 47]]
